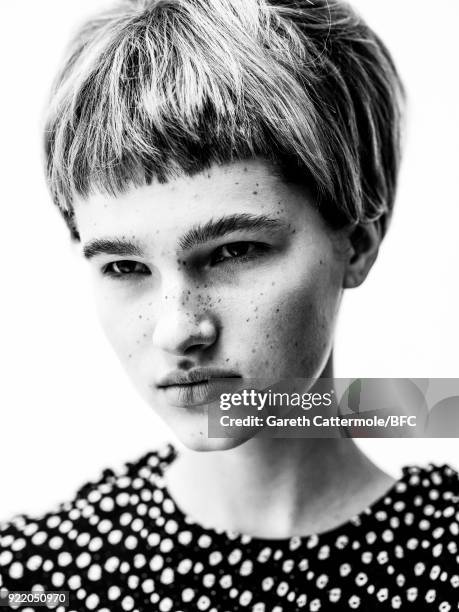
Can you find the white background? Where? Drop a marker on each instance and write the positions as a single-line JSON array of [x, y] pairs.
[[67, 409]]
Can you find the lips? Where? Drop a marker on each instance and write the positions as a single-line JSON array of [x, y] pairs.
[[197, 375], [197, 387]]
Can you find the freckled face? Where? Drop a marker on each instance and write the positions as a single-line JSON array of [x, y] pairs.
[[230, 269]]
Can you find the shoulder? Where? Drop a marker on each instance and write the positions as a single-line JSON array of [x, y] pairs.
[[77, 535], [428, 497], [426, 501], [434, 488]]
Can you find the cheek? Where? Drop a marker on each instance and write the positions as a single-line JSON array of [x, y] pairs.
[[289, 328], [124, 323]]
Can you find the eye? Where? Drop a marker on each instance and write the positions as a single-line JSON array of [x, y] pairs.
[[124, 268], [236, 251]]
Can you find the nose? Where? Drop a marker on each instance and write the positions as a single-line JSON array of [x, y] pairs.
[[181, 331]]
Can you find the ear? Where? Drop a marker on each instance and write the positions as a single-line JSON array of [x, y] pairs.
[[364, 242]]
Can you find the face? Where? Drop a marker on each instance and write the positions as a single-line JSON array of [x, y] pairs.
[[229, 273]]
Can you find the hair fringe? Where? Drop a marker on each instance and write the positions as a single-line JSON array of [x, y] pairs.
[[152, 89]]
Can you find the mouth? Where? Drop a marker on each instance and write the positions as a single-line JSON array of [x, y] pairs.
[[197, 387]]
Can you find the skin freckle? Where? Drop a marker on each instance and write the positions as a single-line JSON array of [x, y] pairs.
[[247, 349]]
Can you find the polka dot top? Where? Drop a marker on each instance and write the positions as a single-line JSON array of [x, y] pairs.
[[123, 544]]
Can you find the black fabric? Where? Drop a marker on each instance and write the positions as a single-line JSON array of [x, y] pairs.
[[122, 544]]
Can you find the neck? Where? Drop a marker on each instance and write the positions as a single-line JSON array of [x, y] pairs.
[[272, 487]]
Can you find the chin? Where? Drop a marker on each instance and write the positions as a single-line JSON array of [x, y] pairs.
[[199, 442]]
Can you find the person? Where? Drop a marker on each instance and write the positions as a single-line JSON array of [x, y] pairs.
[[228, 168]]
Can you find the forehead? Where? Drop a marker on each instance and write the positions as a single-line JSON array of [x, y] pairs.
[[253, 187]]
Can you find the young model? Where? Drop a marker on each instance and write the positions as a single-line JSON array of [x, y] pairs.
[[228, 169]]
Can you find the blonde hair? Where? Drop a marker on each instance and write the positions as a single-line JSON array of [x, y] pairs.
[[155, 88]]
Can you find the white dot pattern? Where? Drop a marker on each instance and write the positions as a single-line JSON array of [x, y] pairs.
[[123, 544]]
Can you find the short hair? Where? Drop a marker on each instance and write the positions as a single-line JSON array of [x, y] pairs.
[[152, 89]]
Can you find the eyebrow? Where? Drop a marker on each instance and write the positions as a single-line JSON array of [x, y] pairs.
[[213, 229], [111, 246], [198, 234]]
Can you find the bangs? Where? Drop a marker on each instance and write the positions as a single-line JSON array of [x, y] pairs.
[[172, 90], [155, 89]]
